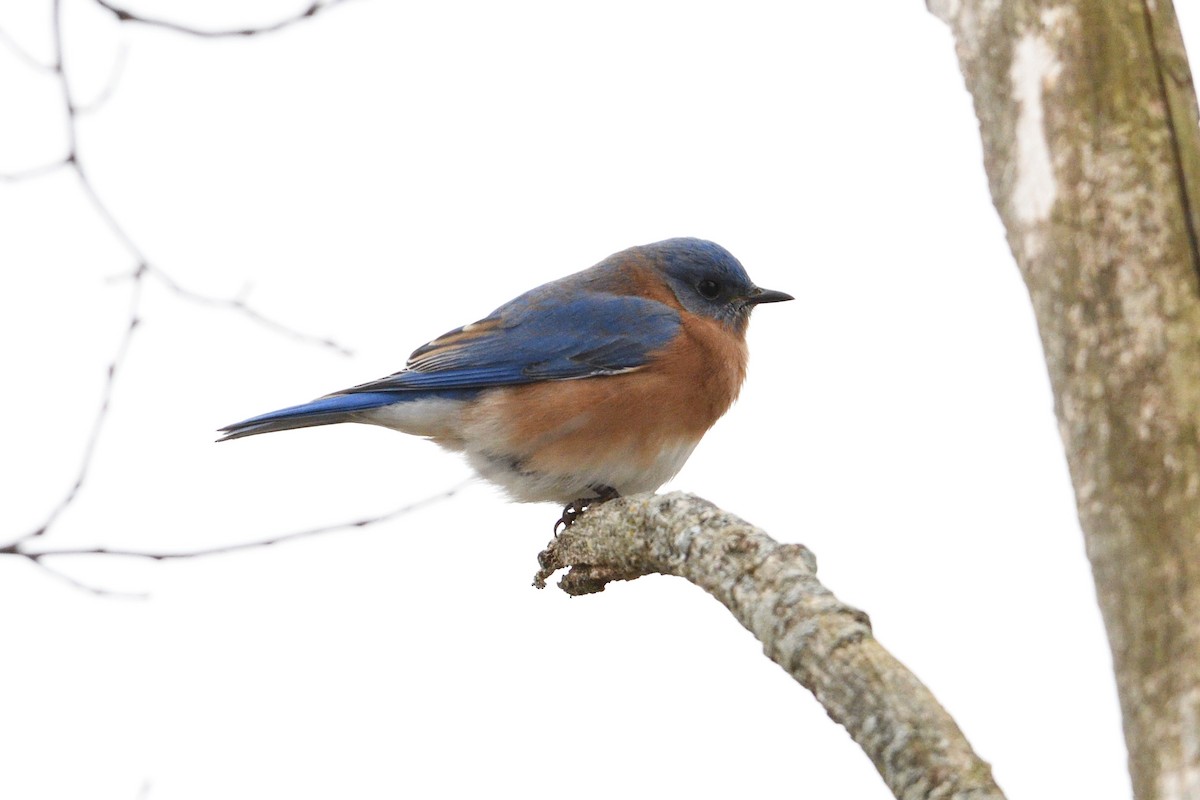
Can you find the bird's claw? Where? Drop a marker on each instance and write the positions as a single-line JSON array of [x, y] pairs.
[[570, 513], [576, 508]]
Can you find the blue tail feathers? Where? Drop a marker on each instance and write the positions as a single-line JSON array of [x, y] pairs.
[[325, 411], [330, 410]]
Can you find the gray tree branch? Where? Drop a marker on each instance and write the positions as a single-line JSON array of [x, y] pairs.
[[772, 589]]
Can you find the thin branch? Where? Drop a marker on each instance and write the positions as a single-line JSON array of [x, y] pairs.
[[75, 583], [124, 15], [64, 85], [23, 54], [33, 172], [242, 307], [106, 214], [110, 86], [772, 589], [143, 266], [89, 450], [20, 548]]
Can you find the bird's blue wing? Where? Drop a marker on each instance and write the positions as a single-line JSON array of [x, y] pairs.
[[543, 335], [538, 338]]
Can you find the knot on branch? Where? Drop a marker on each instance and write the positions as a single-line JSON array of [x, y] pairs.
[[672, 534]]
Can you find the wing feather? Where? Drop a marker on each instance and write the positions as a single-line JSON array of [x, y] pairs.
[[531, 340]]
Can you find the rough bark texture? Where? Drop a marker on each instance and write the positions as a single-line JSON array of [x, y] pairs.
[[773, 591], [1089, 126]]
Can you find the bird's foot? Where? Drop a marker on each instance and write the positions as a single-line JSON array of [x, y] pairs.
[[575, 509], [571, 512]]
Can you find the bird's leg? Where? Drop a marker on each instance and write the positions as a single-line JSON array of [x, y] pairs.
[[570, 513], [574, 509], [604, 493]]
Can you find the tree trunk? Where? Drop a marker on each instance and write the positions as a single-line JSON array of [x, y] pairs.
[[1092, 149]]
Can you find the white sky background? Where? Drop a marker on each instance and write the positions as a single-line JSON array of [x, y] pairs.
[[388, 171]]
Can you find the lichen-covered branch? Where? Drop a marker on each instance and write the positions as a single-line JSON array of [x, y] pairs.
[[1092, 149], [772, 589]]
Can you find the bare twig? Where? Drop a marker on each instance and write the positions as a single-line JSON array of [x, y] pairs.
[[772, 589], [75, 583], [143, 265], [110, 86], [64, 84], [89, 450], [23, 54], [124, 15], [239, 305], [19, 548], [33, 172]]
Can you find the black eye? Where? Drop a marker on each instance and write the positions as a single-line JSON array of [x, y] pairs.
[[709, 288]]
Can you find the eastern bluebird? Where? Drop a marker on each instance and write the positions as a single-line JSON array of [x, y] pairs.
[[595, 385]]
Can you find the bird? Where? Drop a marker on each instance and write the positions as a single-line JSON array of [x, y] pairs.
[[593, 386]]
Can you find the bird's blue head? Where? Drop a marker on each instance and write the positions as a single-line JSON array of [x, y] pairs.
[[708, 280]]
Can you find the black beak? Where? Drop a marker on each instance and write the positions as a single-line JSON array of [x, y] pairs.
[[767, 296]]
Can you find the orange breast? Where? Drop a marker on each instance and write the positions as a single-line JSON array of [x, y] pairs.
[[564, 426]]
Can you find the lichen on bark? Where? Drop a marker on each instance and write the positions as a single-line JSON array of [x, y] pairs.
[[772, 589], [1112, 273]]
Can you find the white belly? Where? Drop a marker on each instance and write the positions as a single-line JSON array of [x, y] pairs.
[[484, 445], [624, 472]]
